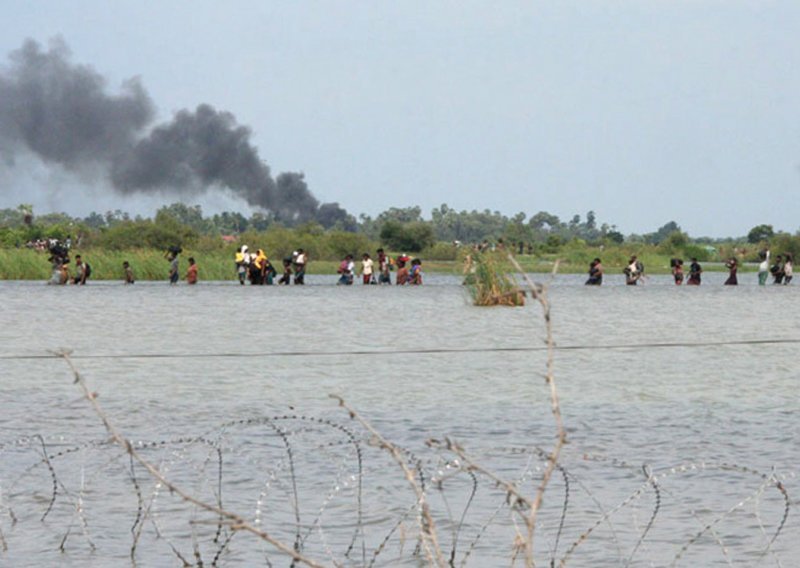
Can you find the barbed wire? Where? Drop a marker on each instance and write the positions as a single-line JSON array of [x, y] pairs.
[[424, 351]]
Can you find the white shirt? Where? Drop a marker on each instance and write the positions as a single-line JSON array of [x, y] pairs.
[[764, 266], [366, 267]]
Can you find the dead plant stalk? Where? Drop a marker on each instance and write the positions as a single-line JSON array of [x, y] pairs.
[[427, 526], [539, 293], [236, 522]]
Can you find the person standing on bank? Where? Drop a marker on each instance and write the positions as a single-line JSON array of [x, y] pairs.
[[695, 270]]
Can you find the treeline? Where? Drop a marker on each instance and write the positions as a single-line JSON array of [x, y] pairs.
[[399, 229]]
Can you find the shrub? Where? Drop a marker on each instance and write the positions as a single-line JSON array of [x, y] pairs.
[[441, 251], [410, 237]]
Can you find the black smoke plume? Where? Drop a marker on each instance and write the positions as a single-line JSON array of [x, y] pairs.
[[62, 113]]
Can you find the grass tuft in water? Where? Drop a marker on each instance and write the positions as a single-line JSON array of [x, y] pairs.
[[488, 282]]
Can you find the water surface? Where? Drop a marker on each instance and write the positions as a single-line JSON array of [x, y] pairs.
[[678, 383]]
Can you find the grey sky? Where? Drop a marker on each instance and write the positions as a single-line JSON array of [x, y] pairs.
[[644, 112]]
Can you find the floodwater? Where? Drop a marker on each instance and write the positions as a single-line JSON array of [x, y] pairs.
[[680, 405]]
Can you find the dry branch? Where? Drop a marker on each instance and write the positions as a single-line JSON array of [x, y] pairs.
[[427, 525], [237, 522], [539, 293]]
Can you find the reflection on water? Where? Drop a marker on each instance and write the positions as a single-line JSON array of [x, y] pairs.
[[188, 373]]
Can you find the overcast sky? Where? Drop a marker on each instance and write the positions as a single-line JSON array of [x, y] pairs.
[[643, 111]]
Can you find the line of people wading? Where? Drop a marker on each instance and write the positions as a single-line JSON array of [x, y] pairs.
[[256, 268], [781, 271]]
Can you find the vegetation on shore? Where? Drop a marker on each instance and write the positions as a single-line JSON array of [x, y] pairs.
[[443, 242], [150, 264]]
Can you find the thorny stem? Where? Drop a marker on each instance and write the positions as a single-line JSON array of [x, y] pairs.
[[427, 526], [237, 522], [515, 496], [539, 293]]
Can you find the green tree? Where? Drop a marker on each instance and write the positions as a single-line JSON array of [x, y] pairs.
[[189, 215], [409, 237], [401, 214], [662, 233], [94, 220], [760, 233]]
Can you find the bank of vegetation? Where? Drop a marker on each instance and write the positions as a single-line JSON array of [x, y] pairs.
[[443, 241]]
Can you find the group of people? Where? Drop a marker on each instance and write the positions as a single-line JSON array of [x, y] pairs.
[[409, 271], [781, 271], [695, 276], [634, 272], [258, 269], [174, 268], [61, 273]]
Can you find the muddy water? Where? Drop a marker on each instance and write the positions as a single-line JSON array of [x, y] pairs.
[[674, 405]]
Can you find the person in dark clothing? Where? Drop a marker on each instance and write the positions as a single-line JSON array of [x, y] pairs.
[[256, 278], [695, 270], [286, 278], [269, 273], [733, 266], [129, 278], [595, 273], [300, 261], [776, 270]]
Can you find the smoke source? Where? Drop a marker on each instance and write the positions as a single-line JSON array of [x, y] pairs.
[[62, 113]]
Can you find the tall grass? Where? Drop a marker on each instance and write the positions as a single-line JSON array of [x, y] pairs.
[[147, 264], [489, 283], [216, 263]]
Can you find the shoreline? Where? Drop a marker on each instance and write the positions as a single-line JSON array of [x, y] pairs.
[[151, 265]]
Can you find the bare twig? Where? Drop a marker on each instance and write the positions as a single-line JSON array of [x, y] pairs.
[[539, 293], [238, 522], [427, 525], [519, 499]]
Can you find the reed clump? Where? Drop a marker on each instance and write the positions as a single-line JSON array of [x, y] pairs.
[[489, 283]]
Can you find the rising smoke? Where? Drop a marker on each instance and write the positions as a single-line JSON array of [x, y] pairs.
[[62, 113]]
